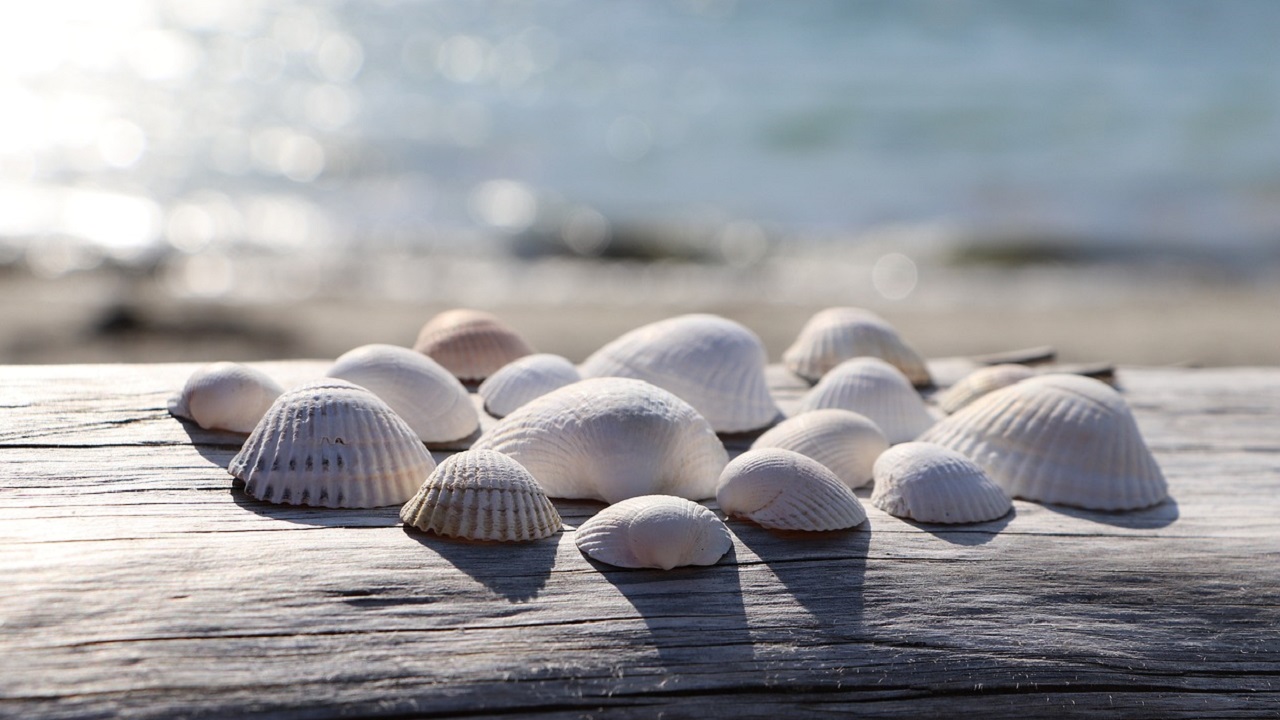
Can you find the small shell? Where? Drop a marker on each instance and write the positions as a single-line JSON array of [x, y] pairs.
[[654, 531], [482, 495], [874, 388], [332, 444], [225, 396], [841, 333], [844, 441], [785, 490], [979, 383], [929, 483], [522, 380], [471, 344]]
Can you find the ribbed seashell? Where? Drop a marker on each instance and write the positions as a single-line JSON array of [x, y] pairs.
[[524, 379], [482, 495], [844, 441], [610, 439], [333, 444], [929, 483], [979, 383], [874, 388], [713, 363], [419, 389], [841, 333], [654, 531], [225, 396], [1058, 438], [471, 344], [785, 490]]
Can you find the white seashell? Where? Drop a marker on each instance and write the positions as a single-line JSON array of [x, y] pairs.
[[841, 333], [844, 441], [714, 364], [654, 531], [610, 439], [1058, 438], [471, 344], [874, 388], [524, 379], [420, 390], [785, 490], [929, 483], [482, 495], [979, 383], [333, 444], [225, 396]]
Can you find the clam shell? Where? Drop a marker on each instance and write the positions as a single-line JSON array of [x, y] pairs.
[[979, 383], [841, 333], [929, 483], [1063, 439], [522, 380], [785, 490], [654, 531], [471, 344], [225, 396], [610, 439], [714, 364], [844, 441], [482, 495], [333, 444], [874, 388]]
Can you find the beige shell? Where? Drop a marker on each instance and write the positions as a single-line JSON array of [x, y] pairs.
[[979, 383], [420, 390], [785, 490], [844, 441], [333, 444], [714, 364], [482, 495], [471, 344], [929, 483], [841, 333], [225, 396], [610, 439], [522, 380], [1058, 438], [654, 531], [874, 388]]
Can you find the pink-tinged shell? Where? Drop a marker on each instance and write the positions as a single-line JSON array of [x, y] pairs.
[[654, 531], [225, 396], [929, 483], [844, 441], [785, 490], [471, 344], [482, 495], [837, 334], [522, 380], [874, 388], [979, 383]]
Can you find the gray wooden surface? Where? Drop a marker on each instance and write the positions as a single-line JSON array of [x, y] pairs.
[[138, 582]]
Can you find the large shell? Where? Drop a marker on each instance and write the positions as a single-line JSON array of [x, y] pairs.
[[979, 383], [654, 531], [929, 483], [226, 396], [420, 390], [1058, 438], [610, 439], [841, 333], [785, 490], [522, 380], [844, 441], [714, 364], [482, 495], [471, 344], [874, 388], [333, 444]]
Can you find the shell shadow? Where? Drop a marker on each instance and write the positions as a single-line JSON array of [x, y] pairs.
[[515, 571], [1152, 518], [969, 534], [216, 446], [315, 516]]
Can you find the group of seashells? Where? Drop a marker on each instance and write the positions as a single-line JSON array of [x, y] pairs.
[[639, 425]]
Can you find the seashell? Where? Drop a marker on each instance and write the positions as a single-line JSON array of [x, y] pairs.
[[429, 398], [841, 333], [1058, 438], [979, 383], [874, 388], [482, 495], [471, 344], [333, 444], [654, 531], [225, 396], [524, 379], [929, 483], [710, 362], [785, 490], [610, 439], [844, 441]]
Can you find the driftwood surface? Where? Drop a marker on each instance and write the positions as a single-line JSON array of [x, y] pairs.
[[137, 581]]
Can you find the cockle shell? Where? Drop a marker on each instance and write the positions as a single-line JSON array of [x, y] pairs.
[[333, 444], [471, 344], [841, 333], [785, 490], [482, 495], [654, 531], [979, 383], [874, 388], [1058, 438], [713, 363], [929, 483], [225, 396], [610, 439], [420, 390], [844, 441], [524, 379]]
